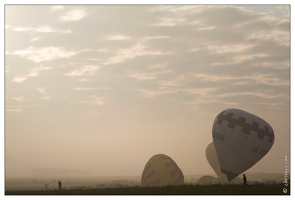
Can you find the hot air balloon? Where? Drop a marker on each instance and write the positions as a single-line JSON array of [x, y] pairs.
[[161, 170], [237, 180], [205, 180], [222, 179], [212, 158], [241, 139]]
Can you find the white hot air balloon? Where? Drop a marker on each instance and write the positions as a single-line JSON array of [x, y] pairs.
[[161, 170], [212, 158], [241, 139]]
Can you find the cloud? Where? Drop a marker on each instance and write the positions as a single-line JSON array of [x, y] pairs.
[[156, 37], [280, 37], [6, 69], [257, 94], [206, 28], [158, 66], [31, 73], [89, 89], [146, 68], [46, 98], [22, 29], [83, 80], [116, 37], [169, 83], [199, 102], [182, 10], [36, 39], [95, 100], [142, 76], [93, 113], [56, 8], [86, 70], [10, 108], [20, 79], [18, 108], [41, 90], [235, 48], [213, 95], [269, 79], [154, 93], [48, 29], [266, 79], [44, 53], [13, 110], [73, 15], [150, 73], [140, 49], [214, 78], [198, 91], [241, 58], [274, 106], [21, 98], [176, 81], [40, 29], [166, 21]]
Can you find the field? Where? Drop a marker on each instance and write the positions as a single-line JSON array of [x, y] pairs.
[[87, 185], [186, 189]]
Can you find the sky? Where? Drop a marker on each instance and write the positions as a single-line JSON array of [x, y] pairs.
[[103, 88]]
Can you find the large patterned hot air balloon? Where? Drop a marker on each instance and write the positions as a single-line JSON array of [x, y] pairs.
[[241, 139], [161, 170], [212, 158]]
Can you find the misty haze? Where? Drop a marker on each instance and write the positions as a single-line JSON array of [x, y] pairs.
[[101, 94]]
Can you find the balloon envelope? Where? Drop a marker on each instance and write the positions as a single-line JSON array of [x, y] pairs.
[[205, 180], [241, 139], [237, 181], [161, 170], [212, 158], [222, 179]]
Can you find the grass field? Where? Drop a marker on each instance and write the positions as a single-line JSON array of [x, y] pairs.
[[186, 189]]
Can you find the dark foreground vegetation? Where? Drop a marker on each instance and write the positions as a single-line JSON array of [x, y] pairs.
[[186, 189]]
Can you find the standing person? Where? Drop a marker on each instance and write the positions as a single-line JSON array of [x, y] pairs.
[[245, 180], [59, 185]]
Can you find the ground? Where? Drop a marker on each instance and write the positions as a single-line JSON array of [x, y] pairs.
[[186, 189]]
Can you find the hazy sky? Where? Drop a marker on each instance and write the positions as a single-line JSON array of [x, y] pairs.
[[104, 88]]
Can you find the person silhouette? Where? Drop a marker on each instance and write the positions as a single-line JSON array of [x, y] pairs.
[[59, 185], [245, 180]]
